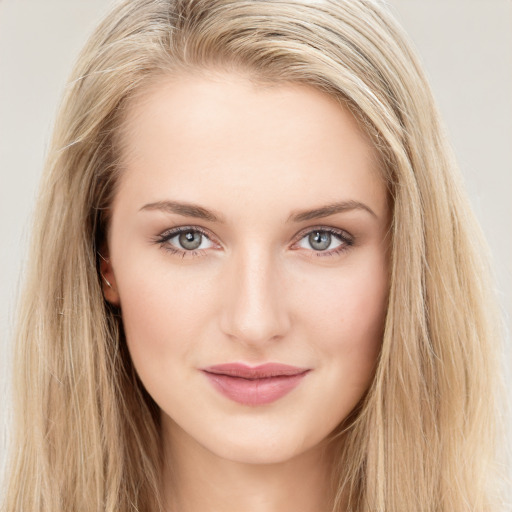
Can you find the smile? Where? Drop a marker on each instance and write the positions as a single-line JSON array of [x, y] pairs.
[[254, 385]]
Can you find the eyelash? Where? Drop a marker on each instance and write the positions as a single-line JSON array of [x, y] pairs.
[[163, 239], [171, 233]]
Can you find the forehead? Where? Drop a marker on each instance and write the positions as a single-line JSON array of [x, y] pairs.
[[223, 135]]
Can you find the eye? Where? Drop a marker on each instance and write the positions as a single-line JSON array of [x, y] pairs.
[[185, 239], [326, 240]]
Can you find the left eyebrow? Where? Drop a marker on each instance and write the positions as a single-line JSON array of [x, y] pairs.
[[330, 209], [185, 209]]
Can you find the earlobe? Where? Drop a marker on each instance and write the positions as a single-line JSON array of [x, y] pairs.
[[108, 280]]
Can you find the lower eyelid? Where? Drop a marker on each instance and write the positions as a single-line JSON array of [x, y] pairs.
[[334, 252]]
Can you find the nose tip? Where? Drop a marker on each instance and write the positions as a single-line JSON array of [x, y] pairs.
[[253, 323], [255, 309]]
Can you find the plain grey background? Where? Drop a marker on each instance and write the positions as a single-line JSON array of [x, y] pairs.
[[465, 45]]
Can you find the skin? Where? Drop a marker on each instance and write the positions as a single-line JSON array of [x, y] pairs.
[[256, 290]]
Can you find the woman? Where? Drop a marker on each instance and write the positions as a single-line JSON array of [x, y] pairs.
[[255, 282]]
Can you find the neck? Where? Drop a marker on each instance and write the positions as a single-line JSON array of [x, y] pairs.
[[195, 480]]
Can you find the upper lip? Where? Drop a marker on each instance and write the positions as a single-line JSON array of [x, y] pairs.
[[255, 372]]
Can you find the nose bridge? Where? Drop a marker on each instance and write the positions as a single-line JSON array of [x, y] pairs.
[[255, 308]]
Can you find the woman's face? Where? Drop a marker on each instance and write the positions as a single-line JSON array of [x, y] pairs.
[[249, 228]]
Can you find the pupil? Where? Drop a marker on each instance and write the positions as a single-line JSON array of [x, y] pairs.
[[190, 239], [320, 240]]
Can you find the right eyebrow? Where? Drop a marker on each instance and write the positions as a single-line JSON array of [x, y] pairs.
[[331, 209], [185, 209]]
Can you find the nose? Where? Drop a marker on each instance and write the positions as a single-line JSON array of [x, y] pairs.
[[254, 300]]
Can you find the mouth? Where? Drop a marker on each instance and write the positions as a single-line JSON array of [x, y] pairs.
[[254, 386]]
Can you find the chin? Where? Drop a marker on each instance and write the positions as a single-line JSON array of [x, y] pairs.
[[257, 453], [260, 447]]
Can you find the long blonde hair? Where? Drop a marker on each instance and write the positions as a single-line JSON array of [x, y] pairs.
[[424, 438]]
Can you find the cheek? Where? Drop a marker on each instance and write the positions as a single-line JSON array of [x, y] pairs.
[[161, 314], [346, 319]]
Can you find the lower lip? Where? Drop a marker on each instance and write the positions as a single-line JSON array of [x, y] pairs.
[[257, 391]]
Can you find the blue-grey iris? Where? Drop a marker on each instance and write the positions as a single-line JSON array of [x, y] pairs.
[[320, 240], [190, 239]]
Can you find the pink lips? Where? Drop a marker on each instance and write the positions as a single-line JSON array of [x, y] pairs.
[[254, 385]]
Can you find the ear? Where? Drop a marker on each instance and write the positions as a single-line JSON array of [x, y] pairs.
[[108, 280]]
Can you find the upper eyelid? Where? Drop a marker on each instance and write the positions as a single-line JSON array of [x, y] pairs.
[[329, 229], [172, 232]]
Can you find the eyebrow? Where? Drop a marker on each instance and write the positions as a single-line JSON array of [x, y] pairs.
[[185, 209], [194, 210], [330, 209]]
